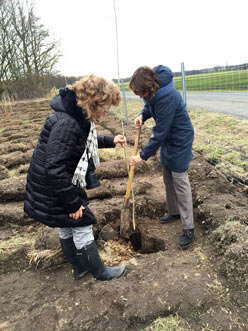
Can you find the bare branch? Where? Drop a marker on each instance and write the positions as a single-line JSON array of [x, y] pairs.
[[26, 51]]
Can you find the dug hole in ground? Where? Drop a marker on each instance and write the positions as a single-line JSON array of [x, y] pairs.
[[205, 286]]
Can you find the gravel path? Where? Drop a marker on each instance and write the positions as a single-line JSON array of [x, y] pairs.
[[234, 103]]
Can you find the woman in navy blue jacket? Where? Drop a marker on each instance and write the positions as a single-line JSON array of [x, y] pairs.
[[62, 166], [173, 133]]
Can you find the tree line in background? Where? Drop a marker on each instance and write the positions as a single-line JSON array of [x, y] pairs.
[[217, 68], [27, 54]]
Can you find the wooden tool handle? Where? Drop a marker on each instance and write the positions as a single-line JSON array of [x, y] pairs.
[[131, 169]]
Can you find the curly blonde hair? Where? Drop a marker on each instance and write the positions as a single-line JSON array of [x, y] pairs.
[[95, 94]]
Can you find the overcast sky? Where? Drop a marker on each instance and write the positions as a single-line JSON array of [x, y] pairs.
[[200, 33]]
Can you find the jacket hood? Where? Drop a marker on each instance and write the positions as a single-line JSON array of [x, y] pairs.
[[166, 84], [56, 103], [66, 102], [165, 75]]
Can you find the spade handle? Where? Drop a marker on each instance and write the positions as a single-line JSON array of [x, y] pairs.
[[131, 168]]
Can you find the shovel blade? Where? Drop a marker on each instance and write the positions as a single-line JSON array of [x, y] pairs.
[[125, 222]]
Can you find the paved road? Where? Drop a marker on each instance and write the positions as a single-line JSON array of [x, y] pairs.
[[234, 103]]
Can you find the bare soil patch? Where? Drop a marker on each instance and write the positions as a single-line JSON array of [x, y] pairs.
[[206, 285]]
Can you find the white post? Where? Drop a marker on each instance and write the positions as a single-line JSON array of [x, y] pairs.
[[184, 82]]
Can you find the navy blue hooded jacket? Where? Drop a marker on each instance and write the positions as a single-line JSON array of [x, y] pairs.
[[173, 131]]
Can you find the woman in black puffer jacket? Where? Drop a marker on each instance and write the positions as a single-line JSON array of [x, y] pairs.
[[58, 171]]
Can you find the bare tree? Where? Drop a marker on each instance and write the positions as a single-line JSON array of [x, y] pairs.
[[27, 54]]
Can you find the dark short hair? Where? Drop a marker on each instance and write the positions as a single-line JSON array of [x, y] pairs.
[[144, 81]]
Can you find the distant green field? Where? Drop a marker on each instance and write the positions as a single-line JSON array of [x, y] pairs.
[[235, 80], [224, 81]]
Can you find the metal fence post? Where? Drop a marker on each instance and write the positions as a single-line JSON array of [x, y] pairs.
[[125, 102], [184, 83]]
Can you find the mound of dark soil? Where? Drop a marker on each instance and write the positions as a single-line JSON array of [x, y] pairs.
[[205, 285], [231, 253]]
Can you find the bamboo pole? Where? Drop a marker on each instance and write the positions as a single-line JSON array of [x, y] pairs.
[[122, 115]]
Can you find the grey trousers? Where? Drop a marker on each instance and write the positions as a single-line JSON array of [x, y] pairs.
[[82, 236], [179, 196]]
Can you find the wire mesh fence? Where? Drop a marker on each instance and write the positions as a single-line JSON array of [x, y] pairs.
[[219, 78]]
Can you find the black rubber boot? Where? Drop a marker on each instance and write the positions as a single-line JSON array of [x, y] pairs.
[[91, 260], [69, 251], [187, 238], [169, 218]]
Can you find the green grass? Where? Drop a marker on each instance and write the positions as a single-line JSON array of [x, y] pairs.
[[17, 241], [126, 88], [169, 323], [230, 220], [12, 244], [109, 154], [220, 138], [226, 144], [218, 81], [215, 154], [12, 173], [235, 80]]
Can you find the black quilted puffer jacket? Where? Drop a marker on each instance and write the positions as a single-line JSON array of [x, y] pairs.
[[50, 195]]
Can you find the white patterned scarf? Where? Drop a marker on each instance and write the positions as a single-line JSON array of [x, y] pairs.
[[91, 151]]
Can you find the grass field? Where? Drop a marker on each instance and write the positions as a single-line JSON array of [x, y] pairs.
[[235, 80], [221, 139]]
